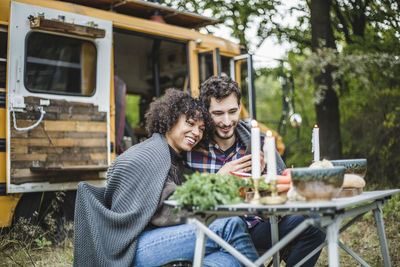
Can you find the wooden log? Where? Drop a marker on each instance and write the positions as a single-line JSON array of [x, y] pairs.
[[46, 150], [26, 157], [91, 142], [84, 150], [98, 156], [18, 134], [75, 117], [29, 179], [56, 177], [25, 164], [99, 117], [65, 27], [74, 168], [84, 126], [86, 135], [40, 133], [19, 150], [18, 173], [75, 126], [68, 157]]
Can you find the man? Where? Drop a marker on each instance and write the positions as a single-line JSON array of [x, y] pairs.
[[226, 153]]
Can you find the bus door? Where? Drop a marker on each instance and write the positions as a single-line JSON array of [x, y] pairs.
[[58, 99], [210, 63], [147, 64], [241, 71]]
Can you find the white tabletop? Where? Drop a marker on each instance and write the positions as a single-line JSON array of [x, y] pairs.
[[332, 206]]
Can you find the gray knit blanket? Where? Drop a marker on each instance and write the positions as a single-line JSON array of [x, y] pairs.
[[243, 131], [108, 221]]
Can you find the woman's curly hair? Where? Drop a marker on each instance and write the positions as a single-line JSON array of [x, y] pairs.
[[164, 113], [218, 87]]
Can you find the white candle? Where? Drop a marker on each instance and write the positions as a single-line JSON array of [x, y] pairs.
[[315, 142], [269, 156], [255, 151]]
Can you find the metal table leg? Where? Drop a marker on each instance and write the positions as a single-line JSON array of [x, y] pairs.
[[354, 255], [332, 235], [202, 233], [200, 248], [382, 236], [274, 238]]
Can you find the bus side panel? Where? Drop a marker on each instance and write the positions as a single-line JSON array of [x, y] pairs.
[[7, 207]]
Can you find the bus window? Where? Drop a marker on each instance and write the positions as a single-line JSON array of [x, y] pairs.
[[3, 58], [244, 85], [206, 67], [60, 65], [225, 66]]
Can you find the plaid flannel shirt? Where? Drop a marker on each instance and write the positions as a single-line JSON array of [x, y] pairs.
[[212, 158]]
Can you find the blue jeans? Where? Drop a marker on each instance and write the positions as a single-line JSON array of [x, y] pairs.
[[300, 247], [163, 245]]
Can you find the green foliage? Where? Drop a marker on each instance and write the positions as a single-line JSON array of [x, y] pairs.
[[205, 190], [43, 242], [25, 244], [268, 100], [369, 91], [237, 15], [269, 105], [365, 70], [392, 208], [132, 109]]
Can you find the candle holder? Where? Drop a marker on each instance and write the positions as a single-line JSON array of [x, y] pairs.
[[256, 198], [274, 199]]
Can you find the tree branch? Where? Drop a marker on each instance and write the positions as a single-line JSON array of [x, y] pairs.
[[342, 21]]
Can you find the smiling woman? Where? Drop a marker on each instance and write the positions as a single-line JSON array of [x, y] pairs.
[[185, 134], [180, 118], [128, 218]]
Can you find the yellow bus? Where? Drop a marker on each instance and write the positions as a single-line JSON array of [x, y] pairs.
[[72, 73]]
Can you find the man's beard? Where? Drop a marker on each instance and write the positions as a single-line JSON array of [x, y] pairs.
[[225, 137]]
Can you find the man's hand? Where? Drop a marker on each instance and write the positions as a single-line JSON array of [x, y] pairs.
[[262, 163], [240, 165]]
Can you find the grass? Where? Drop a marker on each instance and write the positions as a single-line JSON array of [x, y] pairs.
[[19, 248], [362, 238], [27, 244]]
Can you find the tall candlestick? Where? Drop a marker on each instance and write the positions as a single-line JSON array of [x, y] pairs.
[[269, 151], [255, 151], [315, 142], [269, 156]]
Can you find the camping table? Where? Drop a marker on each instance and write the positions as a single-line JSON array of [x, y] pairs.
[[333, 213]]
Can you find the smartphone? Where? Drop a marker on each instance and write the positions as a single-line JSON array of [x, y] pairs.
[[248, 149]]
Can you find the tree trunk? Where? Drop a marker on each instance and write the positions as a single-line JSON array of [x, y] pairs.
[[327, 110]]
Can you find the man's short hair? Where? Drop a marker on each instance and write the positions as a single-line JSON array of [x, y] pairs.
[[219, 87]]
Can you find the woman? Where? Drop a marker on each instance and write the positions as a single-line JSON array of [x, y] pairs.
[[125, 223]]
